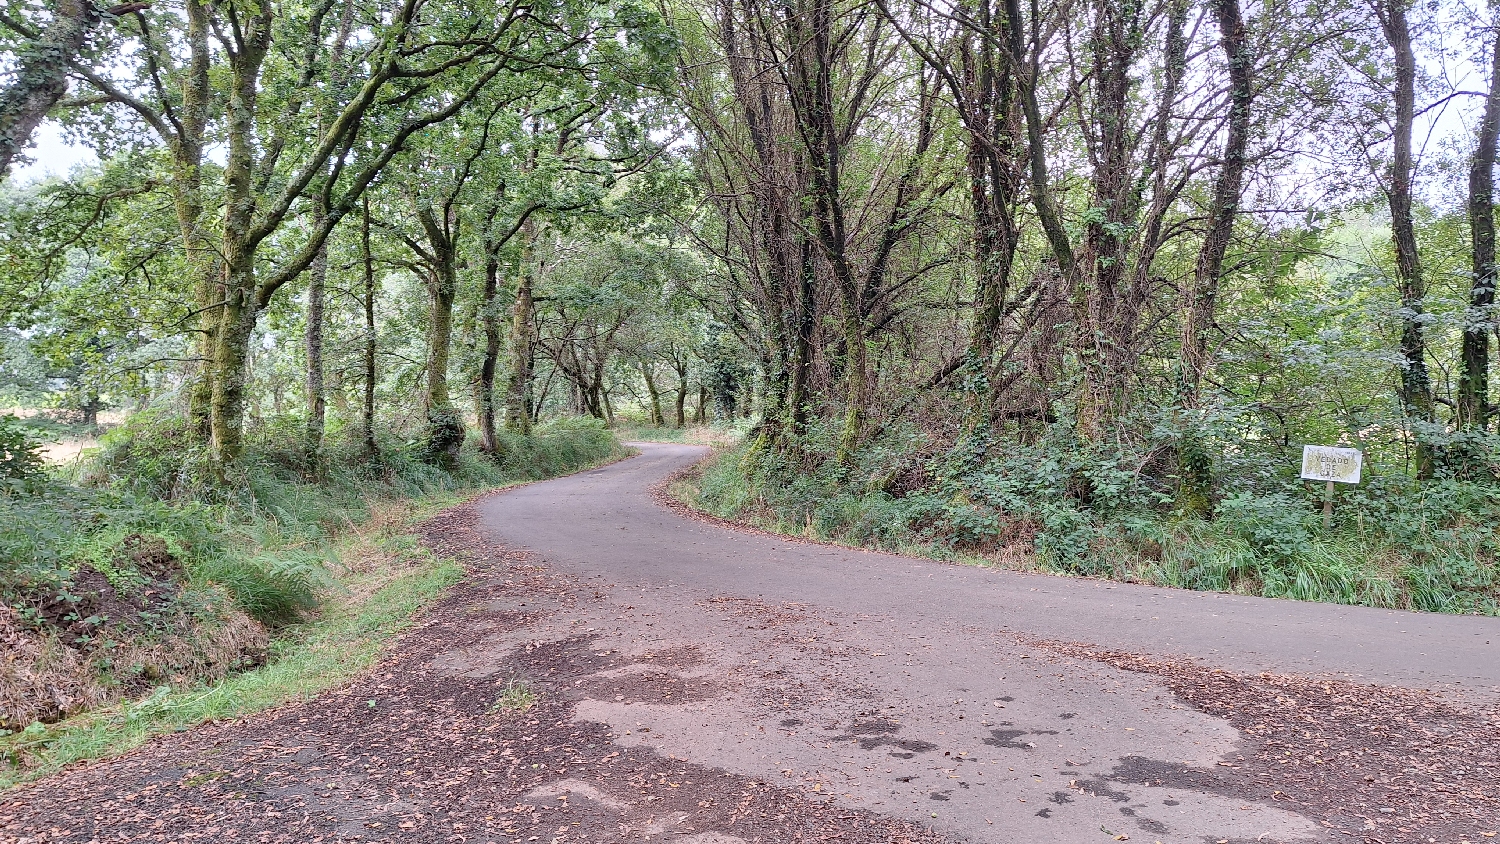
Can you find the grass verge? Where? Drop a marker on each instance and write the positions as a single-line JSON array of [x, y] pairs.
[[382, 577], [387, 578]]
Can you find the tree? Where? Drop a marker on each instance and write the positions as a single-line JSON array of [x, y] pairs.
[[1416, 384], [1473, 408], [422, 67], [41, 78]]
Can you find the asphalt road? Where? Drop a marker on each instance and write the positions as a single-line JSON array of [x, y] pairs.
[[902, 686], [610, 672]]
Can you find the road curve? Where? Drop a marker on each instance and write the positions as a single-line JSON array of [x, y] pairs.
[[903, 686], [612, 673], [605, 522]]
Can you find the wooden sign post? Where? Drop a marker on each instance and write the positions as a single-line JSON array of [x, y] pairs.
[[1334, 465]]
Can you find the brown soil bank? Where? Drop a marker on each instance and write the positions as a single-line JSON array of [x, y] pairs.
[[73, 645]]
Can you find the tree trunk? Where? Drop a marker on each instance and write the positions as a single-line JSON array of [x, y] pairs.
[[657, 419], [241, 304], [490, 317], [367, 416], [1224, 206], [316, 395], [523, 351], [443, 287], [1104, 310], [187, 189], [985, 92], [812, 58], [230, 365], [1194, 465], [1473, 385], [682, 391], [1416, 388], [440, 229], [1043, 198], [700, 416], [806, 315], [856, 385], [318, 271]]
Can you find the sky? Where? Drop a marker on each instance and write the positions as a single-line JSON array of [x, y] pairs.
[[51, 154]]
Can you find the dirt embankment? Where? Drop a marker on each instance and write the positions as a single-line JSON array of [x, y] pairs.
[[88, 640]]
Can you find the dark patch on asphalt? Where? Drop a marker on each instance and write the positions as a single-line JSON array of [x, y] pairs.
[[1007, 738], [1379, 763], [1101, 788], [1151, 825], [880, 732], [873, 742], [909, 745]]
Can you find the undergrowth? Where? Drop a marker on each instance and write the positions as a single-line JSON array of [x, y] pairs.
[[1102, 511], [134, 578], [263, 534], [719, 434], [395, 578]]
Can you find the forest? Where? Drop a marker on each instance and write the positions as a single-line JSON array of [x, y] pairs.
[[1059, 285]]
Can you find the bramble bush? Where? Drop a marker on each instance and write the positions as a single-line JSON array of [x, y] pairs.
[[20, 454]]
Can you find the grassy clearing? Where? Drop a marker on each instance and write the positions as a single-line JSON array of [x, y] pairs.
[[717, 436]]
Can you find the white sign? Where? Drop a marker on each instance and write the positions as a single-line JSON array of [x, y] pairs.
[[1324, 463]]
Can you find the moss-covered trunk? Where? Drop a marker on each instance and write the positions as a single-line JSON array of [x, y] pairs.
[[490, 319], [523, 351], [445, 429], [241, 304]]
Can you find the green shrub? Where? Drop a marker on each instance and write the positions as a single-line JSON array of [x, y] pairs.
[[1274, 525], [20, 455]]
